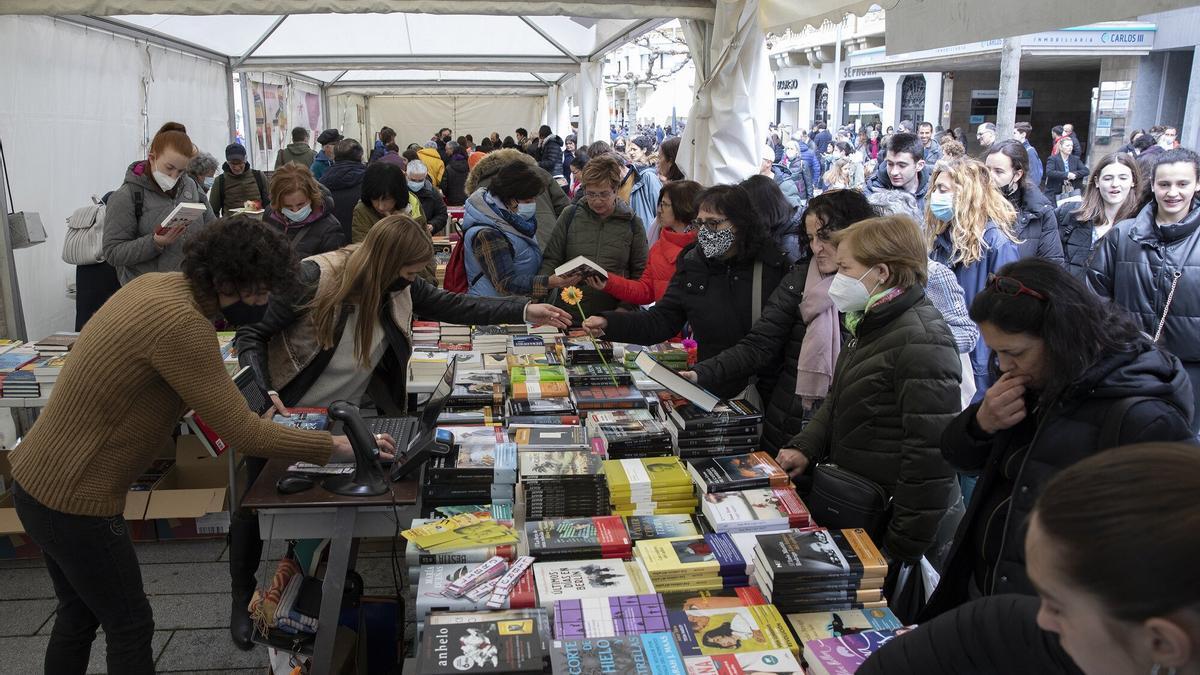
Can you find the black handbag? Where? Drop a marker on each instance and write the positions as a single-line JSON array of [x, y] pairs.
[[841, 499]]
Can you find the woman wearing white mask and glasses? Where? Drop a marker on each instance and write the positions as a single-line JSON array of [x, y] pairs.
[[299, 211], [969, 226], [895, 387]]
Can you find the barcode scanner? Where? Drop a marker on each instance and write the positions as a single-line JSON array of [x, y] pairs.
[[367, 479]]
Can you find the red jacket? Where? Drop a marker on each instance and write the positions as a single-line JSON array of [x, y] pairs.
[[660, 267]]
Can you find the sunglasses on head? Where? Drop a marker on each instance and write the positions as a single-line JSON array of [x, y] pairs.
[[1010, 286]]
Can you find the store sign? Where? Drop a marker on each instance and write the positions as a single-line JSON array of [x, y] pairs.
[[787, 88], [1137, 39]]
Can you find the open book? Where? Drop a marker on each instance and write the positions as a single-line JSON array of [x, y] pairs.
[[580, 265], [668, 378], [184, 214]]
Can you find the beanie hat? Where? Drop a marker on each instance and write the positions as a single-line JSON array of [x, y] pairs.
[[235, 151], [329, 136]]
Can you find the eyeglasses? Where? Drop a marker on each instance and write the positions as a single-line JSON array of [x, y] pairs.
[[598, 196], [709, 222], [1010, 286]]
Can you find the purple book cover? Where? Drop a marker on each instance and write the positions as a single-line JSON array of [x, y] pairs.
[[727, 554], [844, 655], [609, 617]]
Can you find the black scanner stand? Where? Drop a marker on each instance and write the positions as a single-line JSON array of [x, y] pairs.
[[368, 479]]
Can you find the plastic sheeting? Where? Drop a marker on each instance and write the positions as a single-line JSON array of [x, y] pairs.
[[417, 118], [277, 105], [728, 119], [72, 102]]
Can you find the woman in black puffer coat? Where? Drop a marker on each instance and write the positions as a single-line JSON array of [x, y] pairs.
[[1113, 195], [1037, 224], [895, 388]]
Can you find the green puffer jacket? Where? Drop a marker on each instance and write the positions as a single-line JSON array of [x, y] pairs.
[[895, 388], [616, 243]]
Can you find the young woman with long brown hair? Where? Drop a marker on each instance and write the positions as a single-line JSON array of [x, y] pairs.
[[1113, 194]]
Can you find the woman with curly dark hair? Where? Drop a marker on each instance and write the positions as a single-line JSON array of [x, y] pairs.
[[154, 346]]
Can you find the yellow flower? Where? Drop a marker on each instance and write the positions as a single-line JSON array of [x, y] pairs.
[[571, 295]]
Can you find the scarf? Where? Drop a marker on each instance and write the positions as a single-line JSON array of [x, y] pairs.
[[525, 227], [853, 319], [822, 339]]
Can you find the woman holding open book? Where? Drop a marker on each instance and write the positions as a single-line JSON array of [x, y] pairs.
[[144, 359], [347, 330]]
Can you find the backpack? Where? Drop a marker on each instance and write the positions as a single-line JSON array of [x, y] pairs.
[[258, 180], [84, 242]]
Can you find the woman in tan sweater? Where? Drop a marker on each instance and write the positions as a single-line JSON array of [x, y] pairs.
[[143, 360]]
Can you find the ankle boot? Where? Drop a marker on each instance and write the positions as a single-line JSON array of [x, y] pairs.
[[241, 627]]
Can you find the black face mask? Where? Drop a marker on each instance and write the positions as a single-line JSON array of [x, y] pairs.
[[241, 313]]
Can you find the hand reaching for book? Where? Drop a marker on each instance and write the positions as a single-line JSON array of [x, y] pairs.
[[792, 461], [547, 315], [595, 325], [168, 237]]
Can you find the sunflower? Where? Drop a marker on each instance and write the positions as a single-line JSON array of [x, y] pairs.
[[571, 295]]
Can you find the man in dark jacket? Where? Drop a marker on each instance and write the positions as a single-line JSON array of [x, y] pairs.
[[432, 204], [297, 152], [903, 169], [324, 159], [568, 155], [550, 155], [454, 179], [822, 138], [344, 180], [238, 183]]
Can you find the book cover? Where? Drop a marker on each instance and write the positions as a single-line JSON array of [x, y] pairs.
[[601, 537], [544, 406], [742, 596], [558, 464], [703, 399], [646, 654], [738, 472], [525, 391], [731, 630], [820, 553], [601, 397], [755, 509], [183, 215], [691, 557], [737, 412], [662, 527], [312, 419], [586, 579], [513, 645], [582, 266], [537, 374], [775, 662], [824, 625], [554, 437], [646, 474], [843, 655], [610, 617]]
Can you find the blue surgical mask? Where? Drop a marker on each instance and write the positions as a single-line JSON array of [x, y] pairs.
[[297, 216], [416, 185], [941, 205], [526, 209], [208, 182]]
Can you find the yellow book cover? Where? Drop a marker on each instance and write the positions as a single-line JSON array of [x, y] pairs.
[[823, 625], [464, 530], [740, 630], [659, 511], [655, 504], [627, 475]]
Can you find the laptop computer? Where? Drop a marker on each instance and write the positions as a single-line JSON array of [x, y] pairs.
[[411, 432]]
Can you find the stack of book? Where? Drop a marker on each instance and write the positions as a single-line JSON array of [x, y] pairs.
[[58, 343], [578, 580], [626, 434], [608, 397], [597, 374], [427, 364], [705, 562], [578, 538], [755, 510], [732, 428], [650, 486], [23, 382], [663, 527], [511, 644], [542, 411], [489, 340], [455, 337], [476, 395], [815, 570], [584, 350], [538, 382], [738, 472], [813, 626], [527, 344], [426, 334], [481, 468], [609, 617], [483, 416], [542, 437], [563, 484], [673, 356], [434, 578]]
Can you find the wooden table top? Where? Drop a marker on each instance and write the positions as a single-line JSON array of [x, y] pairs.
[[263, 495]]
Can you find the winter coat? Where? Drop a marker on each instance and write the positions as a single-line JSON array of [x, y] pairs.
[[434, 162], [895, 386], [881, 181], [455, 180], [344, 180], [806, 171], [639, 188], [365, 217], [617, 243], [1014, 465], [320, 164], [232, 192], [295, 153], [933, 153], [1135, 265], [526, 255], [1036, 169], [1146, 160], [129, 241], [433, 207], [1077, 240], [551, 201], [1036, 226], [787, 234], [660, 267], [823, 139], [565, 169], [775, 340], [392, 157], [319, 233], [284, 355], [999, 251], [1056, 174], [714, 297], [997, 634], [551, 156]]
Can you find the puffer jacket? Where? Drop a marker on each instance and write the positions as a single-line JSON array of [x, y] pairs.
[[895, 387], [881, 181], [715, 298], [1135, 265], [639, 189], [295, 153], [1036, 226], [232, 192], [319, 233], [660, 267], [616, 242], [775, 339], [1076, 236], [787, 234], [344, 180], [455, 180], [433, 207], [434, 162], [129, 241], [284, 355], [1015, 464], [551, 156], [550, 202]]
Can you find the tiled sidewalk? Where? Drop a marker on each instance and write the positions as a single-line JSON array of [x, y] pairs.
[[188, 587]]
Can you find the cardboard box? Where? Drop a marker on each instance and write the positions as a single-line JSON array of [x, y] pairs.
[[191, 500]]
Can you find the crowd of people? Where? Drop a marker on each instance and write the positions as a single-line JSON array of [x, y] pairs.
[[953, 334]]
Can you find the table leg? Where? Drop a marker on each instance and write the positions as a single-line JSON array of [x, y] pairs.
[[335, 581]]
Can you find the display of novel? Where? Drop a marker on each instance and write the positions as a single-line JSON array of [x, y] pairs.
[[508, 645], [738, 472], [597, 374], [608, 397], [702, 562], [731, 630], [548, 437], [584, 350], [629, 434], [563, 484], [610, 617], [650, 486], [646, 654], [546, 407], [738, 412], [846, 654], [662, 527], [816, 569], [575, 580], [578, 538], [755, 510]]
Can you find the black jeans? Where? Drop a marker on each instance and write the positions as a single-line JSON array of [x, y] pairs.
[[245, 542], [95, 572]]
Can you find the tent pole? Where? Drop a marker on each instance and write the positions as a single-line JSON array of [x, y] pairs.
[[231, 109], [10, 289]]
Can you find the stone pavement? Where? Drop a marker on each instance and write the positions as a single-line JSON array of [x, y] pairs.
[[188, 586]]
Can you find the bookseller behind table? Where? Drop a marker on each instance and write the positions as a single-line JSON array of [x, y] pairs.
[[70, 502]]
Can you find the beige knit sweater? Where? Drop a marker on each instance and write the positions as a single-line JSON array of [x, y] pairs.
[[149, 355]]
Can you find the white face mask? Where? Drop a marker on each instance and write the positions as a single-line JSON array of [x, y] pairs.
[[527, 209], [297, 216], [164, 181], [849, 294]]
